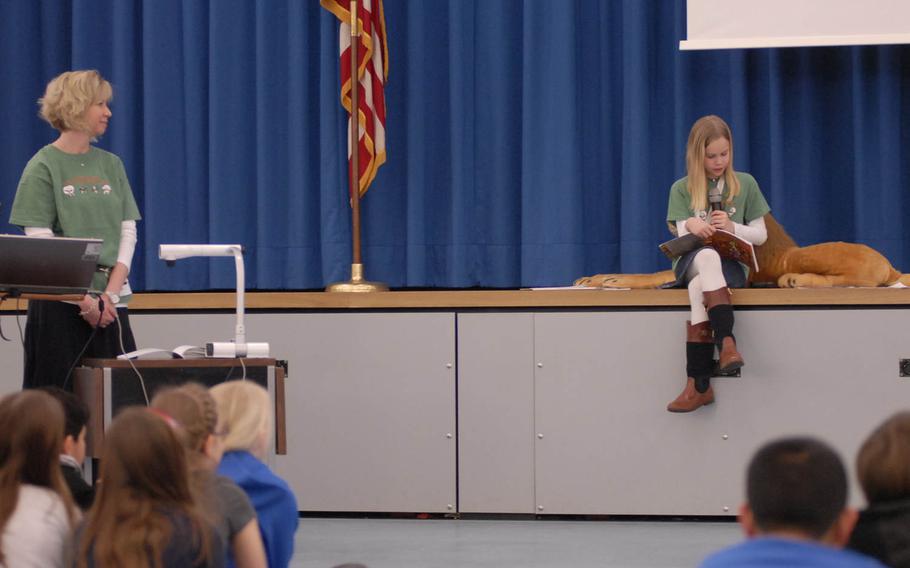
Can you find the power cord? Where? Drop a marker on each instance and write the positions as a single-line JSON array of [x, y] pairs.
[[230, 371], [145, 393], [3, 297], [87, 343], [19, 321]]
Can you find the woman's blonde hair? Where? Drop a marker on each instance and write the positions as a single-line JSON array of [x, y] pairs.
[[706, 130], [883, 461], [69, 94], [246, 417]]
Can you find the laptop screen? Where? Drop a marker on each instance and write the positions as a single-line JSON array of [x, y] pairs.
[[44, 265]]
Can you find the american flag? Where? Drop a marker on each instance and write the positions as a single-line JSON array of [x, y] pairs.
[[372, 68]]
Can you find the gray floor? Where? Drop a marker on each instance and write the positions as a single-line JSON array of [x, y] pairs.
[[394, 543]]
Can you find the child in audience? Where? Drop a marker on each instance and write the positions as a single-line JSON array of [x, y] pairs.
[[796, 511], [193, 407], [243, 407], [144, 513], [73, 454], [883, 469], [37, 514]]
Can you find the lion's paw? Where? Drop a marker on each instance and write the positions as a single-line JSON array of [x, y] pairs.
[[793, 280], [599, 281]]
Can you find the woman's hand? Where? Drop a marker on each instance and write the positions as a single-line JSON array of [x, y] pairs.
[[88, 309], [91, 312], [110, 311], [720, 220], [699, 228]]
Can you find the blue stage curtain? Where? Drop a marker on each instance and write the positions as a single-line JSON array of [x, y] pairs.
[[529, 142]]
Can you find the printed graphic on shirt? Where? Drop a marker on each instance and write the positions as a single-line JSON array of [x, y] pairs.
[[86, 184]]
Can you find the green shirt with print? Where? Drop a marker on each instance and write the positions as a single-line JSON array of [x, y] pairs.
[[77, 195], [746, 207]]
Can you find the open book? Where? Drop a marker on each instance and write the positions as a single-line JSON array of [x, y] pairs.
[[179, 352], [725, 243]]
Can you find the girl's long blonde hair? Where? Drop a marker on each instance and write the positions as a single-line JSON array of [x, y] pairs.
[[707, 129], [243, 407]]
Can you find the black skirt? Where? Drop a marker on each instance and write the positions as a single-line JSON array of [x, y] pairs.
[[55, 334], [734, 273]]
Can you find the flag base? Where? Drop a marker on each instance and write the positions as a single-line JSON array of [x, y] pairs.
[[357, 283]]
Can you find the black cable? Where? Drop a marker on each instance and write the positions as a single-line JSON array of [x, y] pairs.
[[19, 322], [1, 320], [145, 392], [87, 343]]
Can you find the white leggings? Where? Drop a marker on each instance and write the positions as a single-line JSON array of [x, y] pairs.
[[704, 274]]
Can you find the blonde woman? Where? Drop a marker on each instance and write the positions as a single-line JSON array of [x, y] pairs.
[[71, 188], [194, 409], [247, 421], [708, 277]]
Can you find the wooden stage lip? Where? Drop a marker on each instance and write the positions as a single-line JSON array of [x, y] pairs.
[[529, 299], [492, 299]]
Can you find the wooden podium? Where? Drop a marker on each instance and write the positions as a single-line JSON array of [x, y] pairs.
[[108, 385]]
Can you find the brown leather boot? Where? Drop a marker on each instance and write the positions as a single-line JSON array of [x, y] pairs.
[[720, 312], [699, 333], [699, 363], [690, 399], [729, 359], [719, 297]]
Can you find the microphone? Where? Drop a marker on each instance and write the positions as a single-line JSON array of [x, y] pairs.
[[715, 196]]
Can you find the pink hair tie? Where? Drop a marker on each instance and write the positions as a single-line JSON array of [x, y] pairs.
[[165, 416]]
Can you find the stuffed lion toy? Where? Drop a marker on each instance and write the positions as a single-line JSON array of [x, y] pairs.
[[781, 262]]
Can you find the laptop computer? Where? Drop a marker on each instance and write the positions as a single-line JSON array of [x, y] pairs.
[[43, 265]]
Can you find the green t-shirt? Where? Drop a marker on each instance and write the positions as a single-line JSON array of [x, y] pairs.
[[747, 206], [76, 195]]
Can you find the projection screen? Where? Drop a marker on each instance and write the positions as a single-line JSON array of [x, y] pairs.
[[734, 24]]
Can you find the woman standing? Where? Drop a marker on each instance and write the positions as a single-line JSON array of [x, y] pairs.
[[739, 208], [73, 189]]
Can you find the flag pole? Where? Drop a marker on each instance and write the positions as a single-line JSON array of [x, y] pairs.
[[357, 282]]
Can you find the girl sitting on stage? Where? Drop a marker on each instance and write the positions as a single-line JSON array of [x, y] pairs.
[[739, 208]]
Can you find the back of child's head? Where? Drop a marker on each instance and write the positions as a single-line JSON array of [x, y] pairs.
[[243, 407], [31, 437], [796, 484], [883, 461], [193, 407], [145, 488], [75, 411], [144, 458]]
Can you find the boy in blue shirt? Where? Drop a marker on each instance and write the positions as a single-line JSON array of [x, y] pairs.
[[795, 514]]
